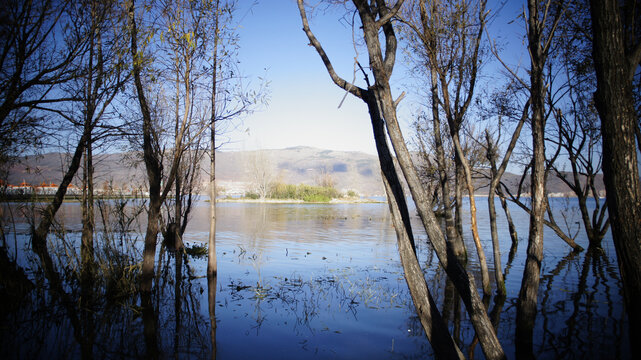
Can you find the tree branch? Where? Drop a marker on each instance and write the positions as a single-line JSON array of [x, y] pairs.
[[340, 82], [390, 14]]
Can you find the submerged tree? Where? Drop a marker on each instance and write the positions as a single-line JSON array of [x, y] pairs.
[[160, 183], [542, 20], [374, 17], [617, 56], [447, 38], [229, 100], [496, 171]]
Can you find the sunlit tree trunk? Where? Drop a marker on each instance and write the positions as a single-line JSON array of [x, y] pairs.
[[427, 311], [467, 173], [178, 214], [433, 324], [538, 47], [212, 266], [382, 68]]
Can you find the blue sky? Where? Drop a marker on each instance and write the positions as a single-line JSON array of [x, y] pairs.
[[303, 107]]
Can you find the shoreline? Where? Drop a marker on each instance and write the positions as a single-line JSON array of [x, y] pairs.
[[297, 201]]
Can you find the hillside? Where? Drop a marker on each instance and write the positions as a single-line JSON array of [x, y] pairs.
[[350, 170]]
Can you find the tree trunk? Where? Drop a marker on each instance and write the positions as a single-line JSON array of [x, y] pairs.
[[498, 274], [433, 324], [212, 266], [178, 215], [462, 280], [152, 165], [526, 304], [453, 236], [467, 172], [495, 178], [513, 234], [458, 195], [614, 102], [39, 236], [380, 91], [88, 221]]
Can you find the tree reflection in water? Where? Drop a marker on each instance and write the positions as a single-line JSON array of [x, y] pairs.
[[275, 297]]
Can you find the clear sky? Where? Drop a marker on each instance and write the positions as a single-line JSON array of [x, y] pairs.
[[303, 107]]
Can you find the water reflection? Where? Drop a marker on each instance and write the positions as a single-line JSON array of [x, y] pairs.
[[294, 281]]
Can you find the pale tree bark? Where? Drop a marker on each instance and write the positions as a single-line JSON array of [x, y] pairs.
[[178, 218], [433, 324], [449, 41], [615, 62], [538, 46], [211, 301], [455, 113], [212, 267], [374, 17], [496, 174], [429, 39]]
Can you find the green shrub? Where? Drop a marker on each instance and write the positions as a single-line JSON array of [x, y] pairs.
[[316, 198], [252, 195], [352, 193], [196, 250], [307, 193]]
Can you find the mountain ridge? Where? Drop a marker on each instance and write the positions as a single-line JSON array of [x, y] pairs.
[[349, 170]]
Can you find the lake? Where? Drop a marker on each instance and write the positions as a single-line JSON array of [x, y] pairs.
[[294, 281]]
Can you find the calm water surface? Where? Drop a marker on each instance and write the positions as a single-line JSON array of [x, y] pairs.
[[299, 281]]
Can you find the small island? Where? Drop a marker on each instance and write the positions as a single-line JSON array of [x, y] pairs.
[[301, 193]]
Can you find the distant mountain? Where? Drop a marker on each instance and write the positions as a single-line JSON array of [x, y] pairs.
[[350, 170]]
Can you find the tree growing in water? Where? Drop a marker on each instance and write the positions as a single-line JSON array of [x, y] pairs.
[[617, 56], [376, 16], [447, 38]]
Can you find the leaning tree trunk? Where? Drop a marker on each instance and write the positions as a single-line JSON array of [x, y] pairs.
[[382, 69], [508, 216], [433, 324], [614, 102], [39, 236], [467, 173], [496, 174]]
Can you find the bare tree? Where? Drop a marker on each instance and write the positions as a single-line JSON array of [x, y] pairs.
[[160, 184], [261, 172], [104, 77], [229, 100], [375, 16], [617, 55], [448, 38], [36, 58], [542, 20], [496, 172], [97, 79]]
